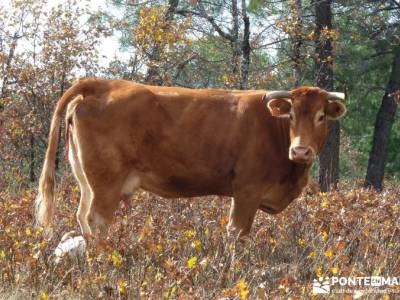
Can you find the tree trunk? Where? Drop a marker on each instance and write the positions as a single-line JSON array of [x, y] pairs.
[[383, 126], [245, 67], [329, 157], [236, 53], [297, 42]]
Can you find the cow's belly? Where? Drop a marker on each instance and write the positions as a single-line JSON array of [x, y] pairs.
[[170, 186]]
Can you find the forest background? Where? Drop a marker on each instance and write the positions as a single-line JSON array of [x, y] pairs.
[[341, 45]]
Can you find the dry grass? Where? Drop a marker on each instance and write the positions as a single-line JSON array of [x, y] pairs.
[[178, 248]]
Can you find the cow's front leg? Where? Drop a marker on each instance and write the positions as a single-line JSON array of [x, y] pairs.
[[241, 216]]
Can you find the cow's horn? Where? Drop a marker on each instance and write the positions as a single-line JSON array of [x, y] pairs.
[[336, 96], [277, 94]]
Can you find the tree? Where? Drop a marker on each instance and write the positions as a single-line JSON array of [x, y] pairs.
[[56, 50], [297, 40], [368, 38], [13, 29], [383, 126], [156, 37], [155, 52], [329, 157], [238, 37]]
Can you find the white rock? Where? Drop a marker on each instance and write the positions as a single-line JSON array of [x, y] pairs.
[[74, 247]]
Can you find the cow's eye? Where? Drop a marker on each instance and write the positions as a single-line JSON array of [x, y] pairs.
[[321, 118]]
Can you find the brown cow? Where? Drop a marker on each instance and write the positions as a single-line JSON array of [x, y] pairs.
[[254, 146]]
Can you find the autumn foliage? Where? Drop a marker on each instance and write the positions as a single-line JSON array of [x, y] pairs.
[[178, 248]]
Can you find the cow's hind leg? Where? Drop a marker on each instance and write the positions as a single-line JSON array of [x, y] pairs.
[[103, 180], [103, 166], [84, 187], [106, 194], [104, 202]]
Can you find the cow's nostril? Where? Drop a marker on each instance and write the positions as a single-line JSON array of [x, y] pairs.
[[300, 152]]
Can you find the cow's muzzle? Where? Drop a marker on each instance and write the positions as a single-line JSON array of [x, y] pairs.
[[301, 154]]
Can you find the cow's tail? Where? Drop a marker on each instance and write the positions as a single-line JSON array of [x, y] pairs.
[[45, 199]]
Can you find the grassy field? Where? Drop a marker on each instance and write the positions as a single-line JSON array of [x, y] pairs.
[[178, 249]]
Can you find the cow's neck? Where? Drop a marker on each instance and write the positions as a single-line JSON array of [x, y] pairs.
[[297, 174]]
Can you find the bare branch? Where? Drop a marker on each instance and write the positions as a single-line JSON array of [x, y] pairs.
[[203, 14]]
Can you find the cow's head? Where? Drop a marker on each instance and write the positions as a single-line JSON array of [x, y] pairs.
[[309, 109]]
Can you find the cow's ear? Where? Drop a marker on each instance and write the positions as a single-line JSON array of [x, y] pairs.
[[280, 107], [335, 110]]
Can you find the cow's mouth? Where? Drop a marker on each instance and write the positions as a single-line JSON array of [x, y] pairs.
[[267, 209], [303, 161]]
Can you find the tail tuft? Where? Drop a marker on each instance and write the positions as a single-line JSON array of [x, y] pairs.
[[44, 203]]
